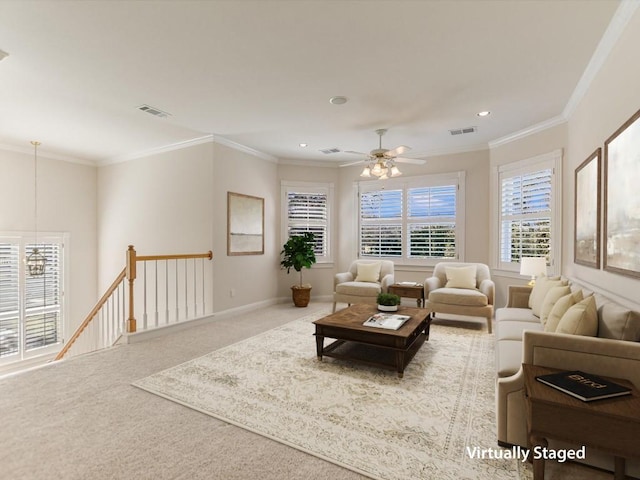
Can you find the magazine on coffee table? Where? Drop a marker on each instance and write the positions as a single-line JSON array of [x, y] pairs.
[[389, 321]]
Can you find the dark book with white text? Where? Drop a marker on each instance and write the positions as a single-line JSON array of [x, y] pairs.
[[584, 386]]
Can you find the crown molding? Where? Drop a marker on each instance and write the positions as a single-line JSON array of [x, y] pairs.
[[46, 154], [190, 143], [525, 132], [618, 23], [154, 151], [242, 148]]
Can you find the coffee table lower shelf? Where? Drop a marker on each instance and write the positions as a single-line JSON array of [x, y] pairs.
[[388, 357]]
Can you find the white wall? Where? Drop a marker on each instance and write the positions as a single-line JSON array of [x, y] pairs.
[[66, 204], [612, 98], [176, 202]]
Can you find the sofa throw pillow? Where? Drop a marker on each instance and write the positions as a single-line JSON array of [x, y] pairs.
[[560, 308], [618, 322], [542, 286], [580, 319], [368, 272], [461, 277], [553, 295]]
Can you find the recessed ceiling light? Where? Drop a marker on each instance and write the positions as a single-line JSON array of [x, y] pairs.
[[338, 100], [484, 114], [304, 145]]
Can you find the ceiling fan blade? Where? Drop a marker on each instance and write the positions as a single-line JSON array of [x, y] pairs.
[[397, 151], [415, 161], [352, 163], [357, 153]]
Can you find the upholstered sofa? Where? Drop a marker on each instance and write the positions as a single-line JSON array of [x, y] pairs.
[[613, 351]]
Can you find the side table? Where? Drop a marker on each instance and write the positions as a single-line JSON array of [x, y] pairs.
[[610, 425], [409, 291]]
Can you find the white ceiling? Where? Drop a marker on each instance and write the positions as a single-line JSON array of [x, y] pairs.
[[260, 72]]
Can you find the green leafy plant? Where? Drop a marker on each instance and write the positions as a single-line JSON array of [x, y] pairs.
[[388, 299], [298, 253]]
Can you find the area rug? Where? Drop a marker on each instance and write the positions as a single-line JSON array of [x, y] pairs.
[[433, 423]]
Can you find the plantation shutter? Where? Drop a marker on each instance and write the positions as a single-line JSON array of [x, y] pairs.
[[432, 221], [381, 223], [43, 322], [9, 299], [30, 306], [526, 215], [308, 212]]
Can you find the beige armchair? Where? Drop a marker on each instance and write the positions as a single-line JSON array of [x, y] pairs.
[[460, 289], [363, 282]]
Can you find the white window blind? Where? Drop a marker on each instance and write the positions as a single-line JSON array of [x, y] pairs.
[[526, 216], [30, 306], [432, 221], [529, 208], [306, 209], [415, 219]]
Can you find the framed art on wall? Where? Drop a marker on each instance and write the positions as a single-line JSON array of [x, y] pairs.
[[586, 246], [622, 201], [245, 224]]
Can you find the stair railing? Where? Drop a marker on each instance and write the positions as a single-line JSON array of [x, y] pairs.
[[172, 282]]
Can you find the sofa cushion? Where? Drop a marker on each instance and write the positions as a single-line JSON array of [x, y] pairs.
[[553, 295], [516, 314], [512, 330], [508, 357], [361, 289], [461, 277], [458, 296], [368, 272], [539, 291], [560, 308], [580, 319], [618, 322]]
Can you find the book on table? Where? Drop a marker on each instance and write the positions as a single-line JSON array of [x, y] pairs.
[[389, 321], [583, 386]]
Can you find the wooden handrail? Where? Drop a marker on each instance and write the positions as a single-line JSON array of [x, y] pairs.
[[129, 273], [146, 258], [92, 314]]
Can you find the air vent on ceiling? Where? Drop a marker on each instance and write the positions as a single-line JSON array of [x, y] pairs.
[[153, 111], [462, 131], [328, 151]]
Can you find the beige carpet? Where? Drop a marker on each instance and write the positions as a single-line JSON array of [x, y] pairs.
[[365, 419]]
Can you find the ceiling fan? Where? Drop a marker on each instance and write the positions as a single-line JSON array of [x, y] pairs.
[[381, 162]]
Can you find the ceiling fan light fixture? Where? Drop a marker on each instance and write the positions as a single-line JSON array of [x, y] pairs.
[[395, 171], [378, 169], [366, 172]]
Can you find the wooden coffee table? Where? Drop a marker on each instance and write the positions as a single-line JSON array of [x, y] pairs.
[[392, 349], [410, 291]]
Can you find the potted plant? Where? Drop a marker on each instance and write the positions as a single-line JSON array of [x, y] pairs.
[[298, 253], [388, 302]]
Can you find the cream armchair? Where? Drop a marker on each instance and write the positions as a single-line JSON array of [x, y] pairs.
[[460, 289], [363, 282]]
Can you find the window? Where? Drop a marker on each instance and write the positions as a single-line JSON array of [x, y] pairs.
[[31, 314], [414, 219], [529, 210], [306, 209]]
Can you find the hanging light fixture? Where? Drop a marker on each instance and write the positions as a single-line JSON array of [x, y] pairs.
[[366, 172], [35, 261]]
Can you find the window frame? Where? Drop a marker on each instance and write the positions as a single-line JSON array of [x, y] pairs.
[[405, 184], [553, 161], [22, 240], [327, 189]]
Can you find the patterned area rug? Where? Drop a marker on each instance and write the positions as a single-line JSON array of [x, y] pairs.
[[424, 425]]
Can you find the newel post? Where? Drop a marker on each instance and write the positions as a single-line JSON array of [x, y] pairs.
[[131, 276]]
